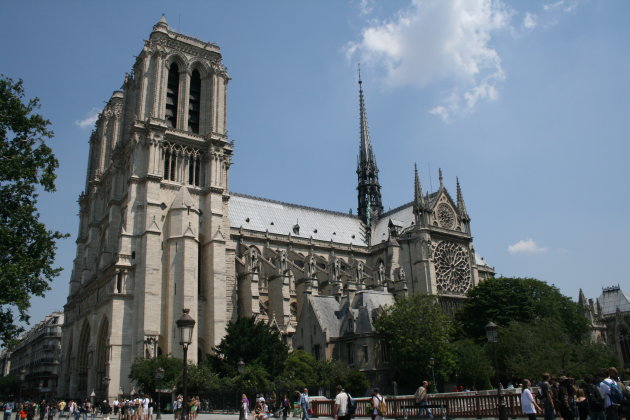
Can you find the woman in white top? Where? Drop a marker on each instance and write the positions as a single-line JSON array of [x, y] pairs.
[[528, 405], [376, 400]]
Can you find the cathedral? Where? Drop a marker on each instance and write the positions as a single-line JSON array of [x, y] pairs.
[[160, 231]]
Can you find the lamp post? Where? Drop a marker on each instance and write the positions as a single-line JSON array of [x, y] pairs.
[[92, 395], [159, 375], [22, 378], [185, 324], [492, 334], [433, 384]]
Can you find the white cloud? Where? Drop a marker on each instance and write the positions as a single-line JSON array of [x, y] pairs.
[[365, 7], [89, 119], [530, 21], [527, 246], [440, 41], [566, 6]]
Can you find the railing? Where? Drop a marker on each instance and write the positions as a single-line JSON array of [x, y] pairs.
[[458, 405]]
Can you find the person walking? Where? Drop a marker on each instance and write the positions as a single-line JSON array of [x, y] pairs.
[[106, 409], [546, 397], [244, 410], [285, 406], [377, 402], [305, 404], [422, 399], [594, 397], [610, 408], [8, 408], [340, 409], [528, 405]]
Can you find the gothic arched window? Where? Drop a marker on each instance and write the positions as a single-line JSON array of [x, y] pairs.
[[172, 95], [194, 102]]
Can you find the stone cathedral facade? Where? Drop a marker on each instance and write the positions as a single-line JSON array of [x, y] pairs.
[[160, 231]]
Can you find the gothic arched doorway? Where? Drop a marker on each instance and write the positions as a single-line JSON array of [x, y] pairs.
[[102, 345], [83, 360]]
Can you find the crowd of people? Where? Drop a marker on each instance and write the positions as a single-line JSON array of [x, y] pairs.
[[601, 396]]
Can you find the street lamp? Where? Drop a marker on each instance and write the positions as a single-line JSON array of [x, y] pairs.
[[185, 324], [492, 334], [159, 375], [433, 384], [22, 378], [241, 367], [92, 395]]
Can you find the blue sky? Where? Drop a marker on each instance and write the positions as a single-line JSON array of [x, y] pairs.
[[526, 102]]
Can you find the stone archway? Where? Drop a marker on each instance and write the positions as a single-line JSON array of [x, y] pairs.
[[83, 356], [102, 346]]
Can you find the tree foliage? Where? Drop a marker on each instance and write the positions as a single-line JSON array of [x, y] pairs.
[[416, 329], [473, 367], [143, 373], [525, 350], [504, 300], [254, 342], [27, 248]]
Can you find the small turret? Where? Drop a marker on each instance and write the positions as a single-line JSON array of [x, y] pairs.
[[419, 204], [461, 206]]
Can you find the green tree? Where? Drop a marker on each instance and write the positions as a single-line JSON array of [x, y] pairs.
[[143, 372], [416, 329], [9, 386], [27, 248], [254, 342], [473, 366], [504, 300], [330, 373], [299, 371], [201, 379]]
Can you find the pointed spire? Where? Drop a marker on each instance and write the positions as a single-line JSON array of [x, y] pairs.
[[418, 198], [440, 178], [461, 206], [368, 187], [581, 298], [162, 25]]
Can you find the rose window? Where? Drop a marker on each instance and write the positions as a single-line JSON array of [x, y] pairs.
[[446, 216], [452, 267]]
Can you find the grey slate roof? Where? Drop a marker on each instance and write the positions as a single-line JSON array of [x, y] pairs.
[[259, 214], [332, 314], [366, 302], [329, 313], [401, 216], [613, 298]]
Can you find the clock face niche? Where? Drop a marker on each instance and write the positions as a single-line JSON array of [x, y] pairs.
[[452, 267], [446, 216]]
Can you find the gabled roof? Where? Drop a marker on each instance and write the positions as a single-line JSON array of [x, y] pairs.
[[613, 298], [329, 313], [261, 215], [401, 216], [366, 302]]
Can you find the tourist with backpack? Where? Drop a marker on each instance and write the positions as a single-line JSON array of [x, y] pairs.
[[615, 393], [595, 397], [379, 405], [345, 406], [611, 393]]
